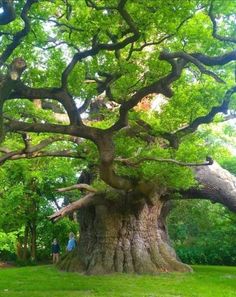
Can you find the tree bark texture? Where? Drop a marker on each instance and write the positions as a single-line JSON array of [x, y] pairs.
[[130, 238], [215, 184]]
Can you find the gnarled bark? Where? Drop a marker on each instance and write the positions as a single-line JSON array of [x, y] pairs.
[[130, 237], [127, 232], [215, 184]]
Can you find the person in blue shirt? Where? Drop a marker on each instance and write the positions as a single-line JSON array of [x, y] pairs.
[[71, 243]]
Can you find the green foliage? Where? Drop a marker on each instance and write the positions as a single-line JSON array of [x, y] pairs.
[[203, 233], [29, 192], [230, 164], [8, 241]]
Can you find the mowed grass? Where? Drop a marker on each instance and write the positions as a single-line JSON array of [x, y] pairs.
[[46, 281]]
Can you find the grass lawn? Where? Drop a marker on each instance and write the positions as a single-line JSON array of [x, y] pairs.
[[46, 281]]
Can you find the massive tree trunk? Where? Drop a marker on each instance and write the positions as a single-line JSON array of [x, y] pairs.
[[130, 237], [127, 233]]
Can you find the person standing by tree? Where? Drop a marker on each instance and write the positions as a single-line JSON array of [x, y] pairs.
[[55, 251], [71, 243]]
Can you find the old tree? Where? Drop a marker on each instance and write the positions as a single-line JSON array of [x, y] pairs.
[[127, 88]]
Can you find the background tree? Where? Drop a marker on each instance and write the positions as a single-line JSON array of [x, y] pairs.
[[28, 198], [115, 59]]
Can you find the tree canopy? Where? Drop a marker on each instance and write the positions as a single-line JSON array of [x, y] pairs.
[[115, 57]]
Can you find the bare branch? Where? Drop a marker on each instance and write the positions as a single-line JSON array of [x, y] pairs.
[[21, 155], [83, 202], [79, 187], [6, 157]]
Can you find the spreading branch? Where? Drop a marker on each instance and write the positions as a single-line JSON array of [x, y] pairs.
[[161, 86], [193, 60], [158, 42], [35, 151], [103, 138], [97, 47], [86, 132], [206, 119], [22, 91], [216, 60], [214, 29], [131, 163]]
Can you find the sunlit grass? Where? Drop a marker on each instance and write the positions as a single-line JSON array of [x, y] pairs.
[[45, 281]]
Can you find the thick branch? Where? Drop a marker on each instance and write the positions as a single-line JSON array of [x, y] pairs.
[[217, 60], [194, 60], [83, 202], [215, 184], [84, 131], [107, 154], [25, 92], [76, 58]]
